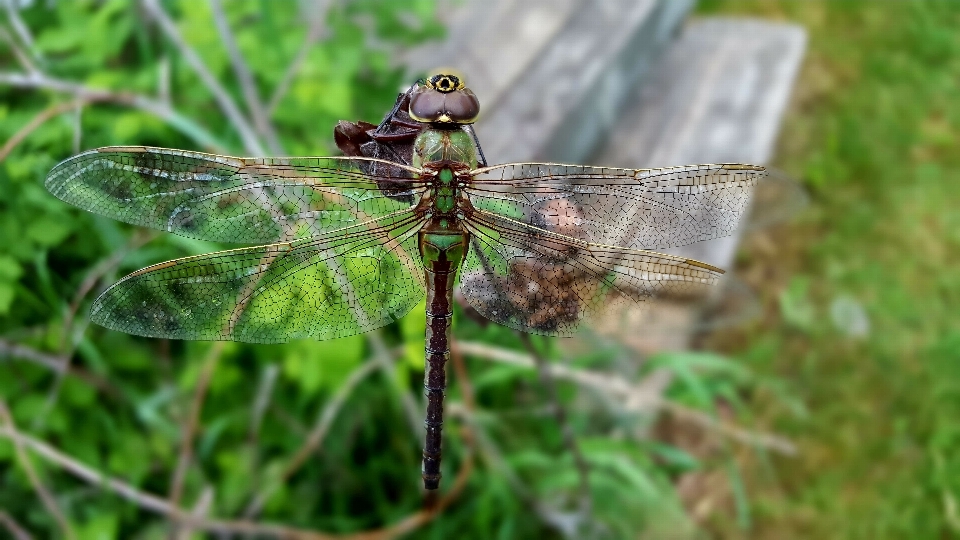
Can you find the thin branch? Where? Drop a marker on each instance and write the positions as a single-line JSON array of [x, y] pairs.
[[634, 396], [161, 110], [193, 421], [569, 439], [262, 399], [24, 460], [102, 268], [491, 453], [77, 128], [14, 528], [220, 94], [161, 506], [315, 33], [36, 122], [316, 436], [152, 502], [247, 84], [52, 362], [200, 510], [68, 346], [22, 57], [23, 32], [163, 79], [410, 407]]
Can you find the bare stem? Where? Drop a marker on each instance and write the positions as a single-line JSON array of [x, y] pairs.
[[161, 110], [220, 94], [315, 437], [162, 506], [48, 501], [22, 57], [16, 350], [315, 33], [245, 77], [14, 528], [192, 422], [23, 32], [262, 399], [569, 439], [383, 358], [635, 397], [35, 122]]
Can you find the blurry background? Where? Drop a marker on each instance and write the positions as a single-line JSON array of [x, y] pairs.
[[832, 412]]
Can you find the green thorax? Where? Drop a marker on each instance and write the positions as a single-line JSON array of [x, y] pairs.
[[453, 145], [444, 151]]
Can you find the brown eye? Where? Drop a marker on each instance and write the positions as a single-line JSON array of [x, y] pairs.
[[426, 105], [462, 106]]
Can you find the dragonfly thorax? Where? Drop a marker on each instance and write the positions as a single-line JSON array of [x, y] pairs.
[[444, 155]]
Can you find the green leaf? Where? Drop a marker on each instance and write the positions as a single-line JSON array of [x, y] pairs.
[[7, 294], [10, 269], [102, 526], [48, 231]]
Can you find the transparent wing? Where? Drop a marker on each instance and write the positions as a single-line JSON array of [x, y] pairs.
[[636, 208], [339, 284], [537, 281], [228, 199]]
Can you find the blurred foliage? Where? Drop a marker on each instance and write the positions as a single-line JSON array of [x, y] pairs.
[[122, 408], [862, 322]]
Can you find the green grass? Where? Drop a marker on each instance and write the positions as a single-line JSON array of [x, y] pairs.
[[873, 132]]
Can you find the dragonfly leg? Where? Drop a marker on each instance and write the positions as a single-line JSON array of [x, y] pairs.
[[482, 160]]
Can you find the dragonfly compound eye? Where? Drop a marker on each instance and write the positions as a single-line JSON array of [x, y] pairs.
[[444, 100]]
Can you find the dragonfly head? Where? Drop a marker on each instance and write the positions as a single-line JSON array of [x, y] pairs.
[[443, 100]]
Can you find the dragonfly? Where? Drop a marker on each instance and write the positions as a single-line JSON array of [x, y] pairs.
[[338, 246]]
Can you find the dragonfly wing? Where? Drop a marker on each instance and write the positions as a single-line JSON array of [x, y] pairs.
[[228, 199], [339, 284], [533, 280], [636, 208]]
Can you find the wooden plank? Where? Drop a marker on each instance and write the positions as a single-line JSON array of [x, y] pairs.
[[552, 76], [717, 96]]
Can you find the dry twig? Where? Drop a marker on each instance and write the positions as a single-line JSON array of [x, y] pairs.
[[14, 528], [22, 57], [569, 439], [164, 111], [220, 94], [244, 76], [54, 363], [262, 399], [37, 121], [315, 33], [200, 510], [16, 350], [634, 397], [316, 436], [45, 496], [192, 422], [23, 32], [383, 358], [162, 506]]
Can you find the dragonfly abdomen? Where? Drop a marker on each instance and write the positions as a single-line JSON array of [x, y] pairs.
[[442, 246]]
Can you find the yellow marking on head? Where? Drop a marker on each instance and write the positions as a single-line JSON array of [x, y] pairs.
[[445, 83]]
